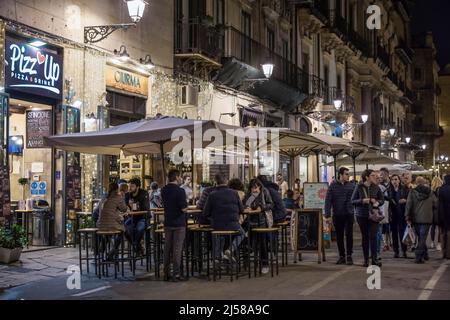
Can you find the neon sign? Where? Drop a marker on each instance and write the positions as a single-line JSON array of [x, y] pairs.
[[33, 70]]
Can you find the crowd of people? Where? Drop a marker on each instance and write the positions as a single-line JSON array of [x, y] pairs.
[[386, 208]]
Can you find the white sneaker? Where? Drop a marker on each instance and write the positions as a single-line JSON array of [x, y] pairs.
[[432, 245], [265, 270]]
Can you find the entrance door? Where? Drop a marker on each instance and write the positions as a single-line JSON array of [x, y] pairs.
[[5, 200]]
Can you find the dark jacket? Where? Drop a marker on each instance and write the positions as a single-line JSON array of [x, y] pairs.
[[421, 206], [373, 192], [224, 207], [203, 219], [260, 219], [174, 200], [339, 198], [111, 217], [142, 199], [444, 204], [278, 210], [397, 209]]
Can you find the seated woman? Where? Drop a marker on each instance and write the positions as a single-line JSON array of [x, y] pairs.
[[111, 217], [258, 197]]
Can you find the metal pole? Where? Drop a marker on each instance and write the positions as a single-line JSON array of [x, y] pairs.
[[354, 167], [335, 166], [317, 165], [163, 165]]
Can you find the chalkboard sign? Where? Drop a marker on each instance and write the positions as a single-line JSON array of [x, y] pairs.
[[39, 125], [309, 232]]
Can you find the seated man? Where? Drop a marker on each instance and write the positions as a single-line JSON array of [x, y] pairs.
[[137, 200], [278, 211], [290, 203], [224, 207]]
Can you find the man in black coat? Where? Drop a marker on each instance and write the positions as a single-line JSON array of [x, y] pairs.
[[339, 202], [444, 216], [224, 207], [279, 210], [137, 200]]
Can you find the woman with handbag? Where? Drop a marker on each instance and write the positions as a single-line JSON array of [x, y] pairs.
[[397, 203], [259, 197], [367, 199]]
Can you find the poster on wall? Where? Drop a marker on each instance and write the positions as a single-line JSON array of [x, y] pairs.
[[39, 125], [73, 190], [314, 195], [5, 194], [33, 70]]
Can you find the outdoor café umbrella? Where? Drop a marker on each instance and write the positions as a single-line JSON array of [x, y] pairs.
[[336, 146], [146, 136], [292, 144]]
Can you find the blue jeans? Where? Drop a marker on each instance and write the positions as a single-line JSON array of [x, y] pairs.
[[219, 243], [422, 234], [379, 238], [135, 230]]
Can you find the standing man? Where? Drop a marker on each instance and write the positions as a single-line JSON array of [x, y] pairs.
[[278, 211], [282, 185], [137, 200], [175, 208], [186, 186], [421, 211], [338, 205]]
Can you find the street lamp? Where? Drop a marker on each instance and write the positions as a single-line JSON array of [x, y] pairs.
[[392, 131], [136, 8], [267, 69], [408, 140], [337, 103], [364, 118], [424, 146]]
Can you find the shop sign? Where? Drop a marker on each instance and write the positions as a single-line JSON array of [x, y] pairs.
[[39, 125], [125, 80], [33, 70]]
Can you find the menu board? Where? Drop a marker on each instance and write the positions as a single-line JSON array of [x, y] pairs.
[[39, 125], [314, 195], [309, 232], [5, 195], [73, 190]]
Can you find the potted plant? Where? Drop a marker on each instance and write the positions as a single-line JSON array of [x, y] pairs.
[[12, 242]]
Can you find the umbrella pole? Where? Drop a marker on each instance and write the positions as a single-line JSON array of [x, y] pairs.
[[335, 166], [367, 166], [354, 167], [163, 165], [317, 165], [194, 175], [291, 173]]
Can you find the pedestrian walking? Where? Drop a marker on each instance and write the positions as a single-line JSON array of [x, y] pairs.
[[436, 184], [444, 216], [367, 198], [339, 210], [397, 203], [421, 211]]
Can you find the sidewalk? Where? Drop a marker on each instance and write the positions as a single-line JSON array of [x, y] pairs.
[[37, 265]]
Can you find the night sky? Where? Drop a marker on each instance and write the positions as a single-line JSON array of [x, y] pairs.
[[434, 16]]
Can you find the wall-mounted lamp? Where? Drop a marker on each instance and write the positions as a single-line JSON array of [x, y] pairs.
[[408, 139], [364, 118], [267, 68], [337, 104], [147, 62], [392, 131], [424, 146], [122, 53]]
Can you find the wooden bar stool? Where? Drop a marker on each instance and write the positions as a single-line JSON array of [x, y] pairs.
[[217, 265], [83, 237], [158, 250], [260, 237], [200, 247], [104, 239], [283, 227]]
